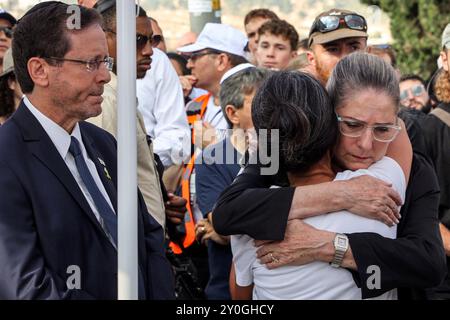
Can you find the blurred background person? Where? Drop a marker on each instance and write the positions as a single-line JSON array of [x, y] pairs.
[[276, 45], [413, 93], [10, 92], [158, 40], [7, 22]]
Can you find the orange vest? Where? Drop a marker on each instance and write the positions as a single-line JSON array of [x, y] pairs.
[[195, 110]]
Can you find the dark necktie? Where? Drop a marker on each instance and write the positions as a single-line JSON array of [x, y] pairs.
[[103, 208]]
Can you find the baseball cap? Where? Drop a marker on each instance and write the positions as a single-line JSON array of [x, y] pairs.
[[7, 16], [221, 37], [337, 24], [8, 63], [446, 37]]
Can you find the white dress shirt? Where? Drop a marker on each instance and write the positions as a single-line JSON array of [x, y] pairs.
[[161, 103], [61, 139]]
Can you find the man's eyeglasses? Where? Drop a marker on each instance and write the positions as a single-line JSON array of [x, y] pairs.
[[330, 23], [7, 31], [416, 91], [354, 129], [195, 55], [91, 65]]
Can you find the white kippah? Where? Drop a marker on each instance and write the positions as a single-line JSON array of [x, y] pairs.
[[235, 70]]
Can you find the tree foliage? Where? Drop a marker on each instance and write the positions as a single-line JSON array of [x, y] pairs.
[[416, 27]]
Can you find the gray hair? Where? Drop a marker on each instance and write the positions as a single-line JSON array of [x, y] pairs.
[[359, 71], [235, 88]]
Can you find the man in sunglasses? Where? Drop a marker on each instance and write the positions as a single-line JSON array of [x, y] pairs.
[[7, 22], [413, 93], [335, 34]]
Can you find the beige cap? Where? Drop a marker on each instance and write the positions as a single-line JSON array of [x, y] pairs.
[[341, 33], [446, 37], [8, 63]]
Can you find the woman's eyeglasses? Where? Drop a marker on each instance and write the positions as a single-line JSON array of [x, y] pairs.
[[354, 129]]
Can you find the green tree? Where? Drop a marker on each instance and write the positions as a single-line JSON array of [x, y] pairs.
[[416, 26]]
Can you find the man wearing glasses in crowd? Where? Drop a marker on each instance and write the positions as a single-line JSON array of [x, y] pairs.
[[335, 34], [413, 93], [7, 22], [59, 221]]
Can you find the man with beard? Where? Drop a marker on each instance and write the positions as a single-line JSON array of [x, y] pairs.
[[335, 34], [413, 93]]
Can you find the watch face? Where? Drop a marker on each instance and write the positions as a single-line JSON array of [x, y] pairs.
[[342, 242]]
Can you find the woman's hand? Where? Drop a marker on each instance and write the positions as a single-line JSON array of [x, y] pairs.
[[372, 198]]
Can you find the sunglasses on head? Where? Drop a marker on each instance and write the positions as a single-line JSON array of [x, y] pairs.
[[7, 31], [333, 22]]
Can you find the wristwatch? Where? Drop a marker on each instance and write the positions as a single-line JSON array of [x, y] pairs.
[[340, 248]]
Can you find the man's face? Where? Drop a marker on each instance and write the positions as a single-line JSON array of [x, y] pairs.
[[5, 41], [327, 55], [413, 94], [204, 67], [245, 113], [274, 52], [157, 31], [251, 29], [75, 91], [145, 51]]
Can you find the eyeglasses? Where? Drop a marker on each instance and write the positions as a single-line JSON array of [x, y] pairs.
[[91, 65], [7, 31], [354, 129], [141, 40], [416, 91], [156, 40], [194, 56], [330, 23]]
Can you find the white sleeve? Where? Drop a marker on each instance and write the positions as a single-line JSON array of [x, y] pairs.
[[161, 103], [386, 169], [244, 256]]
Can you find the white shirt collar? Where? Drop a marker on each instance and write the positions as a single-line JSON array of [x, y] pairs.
[[59, 136]]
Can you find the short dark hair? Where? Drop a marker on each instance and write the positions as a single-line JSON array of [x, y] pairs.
[[109, 16], [411, 76], [298, 106], [260, 13], [43, 32], [281, 28], [303, 43]]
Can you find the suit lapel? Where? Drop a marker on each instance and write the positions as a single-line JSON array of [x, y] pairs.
[[41, 146]]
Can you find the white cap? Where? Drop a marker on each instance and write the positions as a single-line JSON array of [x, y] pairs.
[[235, 70], [221, 37], [446, 37]]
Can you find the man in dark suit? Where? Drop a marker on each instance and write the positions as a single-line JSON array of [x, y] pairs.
[[58, 223]]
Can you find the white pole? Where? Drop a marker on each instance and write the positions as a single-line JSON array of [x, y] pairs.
[[127, 177]]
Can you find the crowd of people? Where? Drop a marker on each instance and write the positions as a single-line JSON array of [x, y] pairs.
[[358, 206]]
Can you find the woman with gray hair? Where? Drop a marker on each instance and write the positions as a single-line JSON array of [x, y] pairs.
[[364, 93]]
